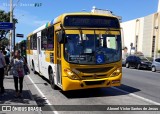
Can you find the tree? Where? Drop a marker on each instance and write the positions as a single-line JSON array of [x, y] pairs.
[[5, 17], [4, 42]]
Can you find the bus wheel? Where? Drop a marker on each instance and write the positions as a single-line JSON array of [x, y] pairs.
[[51, 79], [34, 71]]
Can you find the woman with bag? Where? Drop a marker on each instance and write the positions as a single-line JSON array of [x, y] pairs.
[[17, 70]]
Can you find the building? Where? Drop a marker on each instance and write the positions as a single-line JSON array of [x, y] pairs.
[[144, 34]]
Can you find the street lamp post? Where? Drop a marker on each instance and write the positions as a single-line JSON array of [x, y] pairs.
[[12, 32], [14, 29]]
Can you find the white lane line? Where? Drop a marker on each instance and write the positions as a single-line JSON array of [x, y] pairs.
[[48, 103], [139, 97]]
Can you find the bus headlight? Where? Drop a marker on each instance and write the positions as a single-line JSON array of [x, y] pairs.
[[71, 74], [116, 72]]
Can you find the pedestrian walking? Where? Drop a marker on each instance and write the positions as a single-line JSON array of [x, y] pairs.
[[17, 70], [2, 66]]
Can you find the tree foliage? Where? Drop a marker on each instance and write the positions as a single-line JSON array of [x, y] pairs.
[[5, 17], [4, 42]]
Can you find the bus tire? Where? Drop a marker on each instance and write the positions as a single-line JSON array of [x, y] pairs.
[[51, 79], [34, 71]]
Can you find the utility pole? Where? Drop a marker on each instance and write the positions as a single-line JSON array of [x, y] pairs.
[[11, 21], [14, 29]]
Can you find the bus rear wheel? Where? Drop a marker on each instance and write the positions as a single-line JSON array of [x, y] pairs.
[[51, 79]]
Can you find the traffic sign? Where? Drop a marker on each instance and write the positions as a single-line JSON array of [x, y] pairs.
[[20, 35], [6, 26]]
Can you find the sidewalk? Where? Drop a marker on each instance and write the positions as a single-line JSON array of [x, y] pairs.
[[8, 97]]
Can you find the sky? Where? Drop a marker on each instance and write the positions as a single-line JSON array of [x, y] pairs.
[[32, 14]]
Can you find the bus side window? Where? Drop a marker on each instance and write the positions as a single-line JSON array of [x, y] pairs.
[[44, 39], [50, 37], [35, 41], [28, 44], [31, 42]]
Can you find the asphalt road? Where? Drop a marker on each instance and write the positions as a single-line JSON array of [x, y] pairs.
[[146, 82], [138, 88]]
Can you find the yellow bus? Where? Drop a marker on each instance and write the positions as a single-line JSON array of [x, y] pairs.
[[77, 51]]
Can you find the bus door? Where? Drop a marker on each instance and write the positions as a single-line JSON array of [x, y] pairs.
[[28, 52], [39, 50], [59, 65]]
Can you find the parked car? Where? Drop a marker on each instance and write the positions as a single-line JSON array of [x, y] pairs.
[[156, 65], [138, 62]]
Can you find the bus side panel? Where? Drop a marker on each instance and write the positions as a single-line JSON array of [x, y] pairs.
[[43, 63], [30, 58], [35, 60]]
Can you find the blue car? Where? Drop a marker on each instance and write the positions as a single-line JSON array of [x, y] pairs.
[[138, 62]]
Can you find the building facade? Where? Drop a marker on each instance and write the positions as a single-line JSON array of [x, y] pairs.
[[144, 34]]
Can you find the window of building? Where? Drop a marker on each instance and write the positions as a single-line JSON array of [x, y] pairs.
[[136, 43], [153, 45]]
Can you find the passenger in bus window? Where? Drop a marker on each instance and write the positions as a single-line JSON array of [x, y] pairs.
[[70, 46]]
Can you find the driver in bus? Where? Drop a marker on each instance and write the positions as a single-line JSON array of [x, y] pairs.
[[69, 46]]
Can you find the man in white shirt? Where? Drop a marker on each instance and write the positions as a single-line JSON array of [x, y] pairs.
[[2, 65]]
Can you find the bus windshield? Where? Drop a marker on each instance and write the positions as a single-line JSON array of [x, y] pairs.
[[92, 48]]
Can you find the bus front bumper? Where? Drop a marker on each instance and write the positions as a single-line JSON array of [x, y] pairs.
[[69, 84]]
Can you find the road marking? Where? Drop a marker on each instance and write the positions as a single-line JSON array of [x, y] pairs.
[[139, 97], [55, 112]]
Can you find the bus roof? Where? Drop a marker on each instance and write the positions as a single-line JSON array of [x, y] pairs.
[[58, 19]]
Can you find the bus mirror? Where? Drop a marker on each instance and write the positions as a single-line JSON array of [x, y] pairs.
[[61, 36]]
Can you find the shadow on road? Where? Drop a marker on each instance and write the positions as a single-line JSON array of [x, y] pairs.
[[96, 92], [129, 89], [40, 100], [8, 97], [99, 92]]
